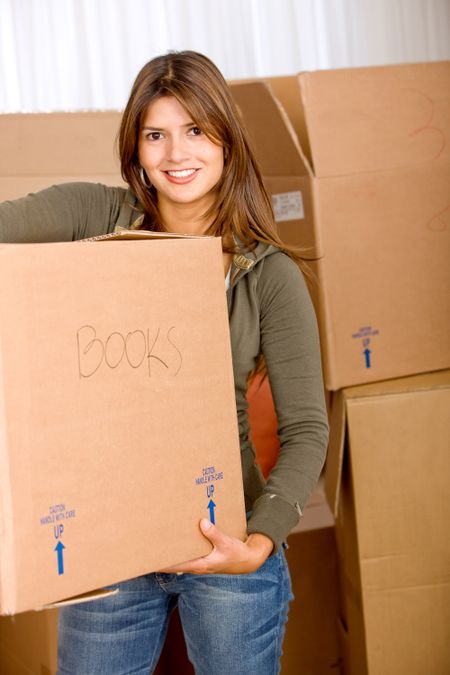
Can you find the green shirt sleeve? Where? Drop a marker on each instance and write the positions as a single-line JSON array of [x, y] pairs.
[[291, 348], [64, 212]]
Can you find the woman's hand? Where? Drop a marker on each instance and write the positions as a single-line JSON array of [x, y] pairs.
[[229, 555]]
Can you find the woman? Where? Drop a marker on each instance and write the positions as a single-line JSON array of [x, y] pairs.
[[187, 161]]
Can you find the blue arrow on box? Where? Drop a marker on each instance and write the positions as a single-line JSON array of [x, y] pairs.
[[59, 550], [211, 507]]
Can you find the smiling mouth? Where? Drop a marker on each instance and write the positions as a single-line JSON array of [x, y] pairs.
[[183, 173]]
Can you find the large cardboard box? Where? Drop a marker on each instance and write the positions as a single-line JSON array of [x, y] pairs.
[[358, 165], [118, 427], [387, 482], [43, 149]]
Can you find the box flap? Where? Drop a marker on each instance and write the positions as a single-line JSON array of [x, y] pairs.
[[274, 140], [436, 380], [335, 455], [99, 594], [368, 119], [338, 419], [287, 91], [124, 234]]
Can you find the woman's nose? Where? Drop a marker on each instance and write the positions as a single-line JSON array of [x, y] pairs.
[[178, 149]]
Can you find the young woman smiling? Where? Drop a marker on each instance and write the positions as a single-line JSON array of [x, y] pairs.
[[186, 158]]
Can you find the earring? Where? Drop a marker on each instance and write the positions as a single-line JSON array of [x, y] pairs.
[[143, 177]]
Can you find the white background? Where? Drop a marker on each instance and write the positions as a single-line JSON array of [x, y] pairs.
[[84, 54]]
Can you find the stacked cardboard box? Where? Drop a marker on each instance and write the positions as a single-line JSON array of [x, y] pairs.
[[387, 482], [358, 165], [42, 149]]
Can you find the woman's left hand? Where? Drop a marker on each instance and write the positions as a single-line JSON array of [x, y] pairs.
[[229, 555]]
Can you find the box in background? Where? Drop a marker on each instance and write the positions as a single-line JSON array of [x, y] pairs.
[[109, 454], [43, 149], [311, 645], [387, 483], [29, 643], [358, 165]]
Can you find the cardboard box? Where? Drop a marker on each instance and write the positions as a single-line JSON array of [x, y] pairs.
[[311, 644], [29, 643], [118, 427], [43, 149], [358, 165], [387, 482]]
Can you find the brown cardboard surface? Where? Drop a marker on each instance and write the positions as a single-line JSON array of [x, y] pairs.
[[117, 412], [42, 149], [28, 643], [373, 170], [377, 118], [311, 645], [292, 103], [282, 153], [392, 520]]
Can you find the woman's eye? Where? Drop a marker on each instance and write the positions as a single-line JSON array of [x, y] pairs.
[[154, 135], [195, 131]]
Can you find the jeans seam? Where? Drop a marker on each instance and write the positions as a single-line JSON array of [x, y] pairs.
[[283, 601]]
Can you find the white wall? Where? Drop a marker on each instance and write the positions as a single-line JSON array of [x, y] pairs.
[[84, 54]]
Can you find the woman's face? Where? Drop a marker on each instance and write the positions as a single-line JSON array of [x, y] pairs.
[[181, 162]]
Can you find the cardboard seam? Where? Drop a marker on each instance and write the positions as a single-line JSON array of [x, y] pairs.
[[7, 576], [369, 591], [293, 134], [388, 169], [363, 396], [323, 315]]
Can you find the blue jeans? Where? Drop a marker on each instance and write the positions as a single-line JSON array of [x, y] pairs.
[[233, 624]]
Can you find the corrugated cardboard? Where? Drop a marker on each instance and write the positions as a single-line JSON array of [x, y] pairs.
[[310, 646], [358, 165], [42, 149], [28, 643], [387, 482], [118, 427]]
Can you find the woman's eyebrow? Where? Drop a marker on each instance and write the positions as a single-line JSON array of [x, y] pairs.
[[148, 128]]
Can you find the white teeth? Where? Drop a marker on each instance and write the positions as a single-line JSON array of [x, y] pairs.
[[184, 173]]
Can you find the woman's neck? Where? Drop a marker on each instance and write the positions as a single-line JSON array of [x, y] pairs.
[[183, 219]]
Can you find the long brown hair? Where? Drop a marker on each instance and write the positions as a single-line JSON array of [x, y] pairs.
[[242, 206]]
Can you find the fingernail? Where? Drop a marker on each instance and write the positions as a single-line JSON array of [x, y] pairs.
[[206, 524]]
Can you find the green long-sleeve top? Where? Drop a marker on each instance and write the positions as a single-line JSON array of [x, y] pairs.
[[269, 310]]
